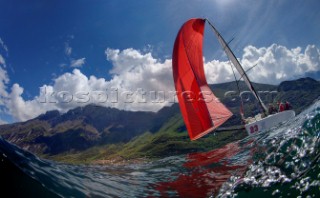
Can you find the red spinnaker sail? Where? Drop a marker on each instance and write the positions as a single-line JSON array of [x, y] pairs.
[[201, 110]]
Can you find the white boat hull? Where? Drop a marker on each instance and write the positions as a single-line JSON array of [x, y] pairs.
[[268, 122]]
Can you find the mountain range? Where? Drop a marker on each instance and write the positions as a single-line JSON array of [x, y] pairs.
[[92, 133]]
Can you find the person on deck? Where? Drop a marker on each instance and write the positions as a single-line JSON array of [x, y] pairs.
[[288, 106], [281, 106], [271, 109]]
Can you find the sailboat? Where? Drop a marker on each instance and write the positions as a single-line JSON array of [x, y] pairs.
[[201, 110]]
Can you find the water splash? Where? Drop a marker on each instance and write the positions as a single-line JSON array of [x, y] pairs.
[[286, 157]]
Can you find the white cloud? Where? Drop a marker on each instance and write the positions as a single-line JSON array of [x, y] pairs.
[[4, 46], [4, 80], [3, 122], [133, 75], [78, 63], [137, 76], [274, 64], [67, 49], [133, 71], [218, 71], [19, 108], [2, 61], [277, 63]]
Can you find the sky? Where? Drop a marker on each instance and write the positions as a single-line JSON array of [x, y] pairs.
[[58, 55]]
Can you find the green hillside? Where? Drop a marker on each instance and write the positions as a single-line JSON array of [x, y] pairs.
[[169, 140]]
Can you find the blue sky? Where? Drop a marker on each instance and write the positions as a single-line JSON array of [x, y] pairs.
[[43, 42]]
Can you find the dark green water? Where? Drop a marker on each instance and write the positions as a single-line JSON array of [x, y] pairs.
[[283, 162]]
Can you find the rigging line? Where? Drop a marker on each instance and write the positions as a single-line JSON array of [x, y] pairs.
[[237, 81], [239, 92], [230, 41], [248, 70], [225, 46], [234, 75]]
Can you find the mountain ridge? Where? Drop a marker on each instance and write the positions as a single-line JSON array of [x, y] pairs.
[[83, 128]]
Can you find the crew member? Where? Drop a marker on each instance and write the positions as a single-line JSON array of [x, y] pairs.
[[281, 106], [288, 106], [271, 109]]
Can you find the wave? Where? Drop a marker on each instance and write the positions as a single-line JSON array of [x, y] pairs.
[[283, 161]]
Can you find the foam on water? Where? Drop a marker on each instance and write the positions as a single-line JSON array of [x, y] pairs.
[[285, 157]]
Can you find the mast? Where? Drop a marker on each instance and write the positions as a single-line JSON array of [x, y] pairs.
[[238, 66]]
